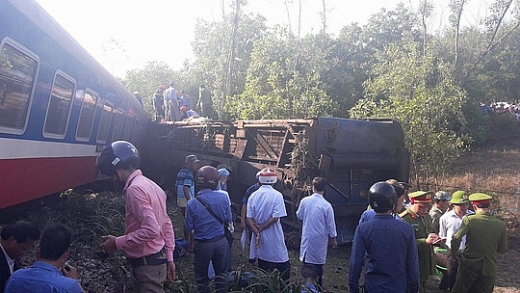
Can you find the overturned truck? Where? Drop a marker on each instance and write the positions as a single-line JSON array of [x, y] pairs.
[[351, 154]]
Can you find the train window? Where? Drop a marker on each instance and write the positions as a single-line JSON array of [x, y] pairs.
[[58, 110], [18, 69], [129, 124], [118, 124], [104, 123], [86, 116], [134, 137]]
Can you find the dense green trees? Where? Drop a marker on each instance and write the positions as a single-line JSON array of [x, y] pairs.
[[393, 66]]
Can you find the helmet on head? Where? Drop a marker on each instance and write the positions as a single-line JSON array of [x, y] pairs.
[[207, 177], [183, 108], [382, 197], [136, 93], [223, 172], [114, 156], [267, 176], [162, 87]]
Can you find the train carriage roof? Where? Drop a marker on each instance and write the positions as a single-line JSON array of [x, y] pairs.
[[35, 13]]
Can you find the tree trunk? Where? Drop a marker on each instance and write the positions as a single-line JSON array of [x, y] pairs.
[[324, 16], [232, 50], [288, 14], [458, 8], [299, 18]]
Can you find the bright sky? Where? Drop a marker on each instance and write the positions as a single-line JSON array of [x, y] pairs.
[[162, 30]]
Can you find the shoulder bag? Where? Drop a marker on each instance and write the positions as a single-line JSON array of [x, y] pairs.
[[227, 233]]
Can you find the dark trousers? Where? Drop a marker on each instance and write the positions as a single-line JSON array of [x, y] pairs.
[[452, 266], [283, 267], [320, 271], [444, 259], [218, 253], [207, 110], [470, 279], [159, 112]]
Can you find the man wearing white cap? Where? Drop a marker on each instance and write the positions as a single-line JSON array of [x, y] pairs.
[[265, 207]]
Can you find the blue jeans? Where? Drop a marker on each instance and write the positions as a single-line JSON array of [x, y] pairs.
[[218, 253]]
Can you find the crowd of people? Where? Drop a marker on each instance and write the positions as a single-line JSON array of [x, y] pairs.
[[171, 105], [502, 108], [401, 239], [399, 253]]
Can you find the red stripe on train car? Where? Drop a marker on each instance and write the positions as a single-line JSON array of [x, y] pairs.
[[54, 175]]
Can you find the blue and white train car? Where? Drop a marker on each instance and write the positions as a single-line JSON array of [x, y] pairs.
[[58, 107]]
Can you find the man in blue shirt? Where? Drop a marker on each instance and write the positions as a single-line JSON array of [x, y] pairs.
[[401, 197], [186, 185], [171, 103], [184, 100], [208, 230], [50, 273], [389, 246]]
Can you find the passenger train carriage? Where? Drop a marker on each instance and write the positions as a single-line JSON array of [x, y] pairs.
[[58, 107]]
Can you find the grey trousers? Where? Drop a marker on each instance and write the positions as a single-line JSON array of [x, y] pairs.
[[149, 278]]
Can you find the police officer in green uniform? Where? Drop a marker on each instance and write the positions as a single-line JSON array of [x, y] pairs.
[[417, 216], [485, 238]]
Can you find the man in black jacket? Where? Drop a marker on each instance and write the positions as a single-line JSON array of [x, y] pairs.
[[15, 240]]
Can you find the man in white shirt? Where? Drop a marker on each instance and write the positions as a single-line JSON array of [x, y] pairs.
[[265, 207], [318, 226], [449, 223]]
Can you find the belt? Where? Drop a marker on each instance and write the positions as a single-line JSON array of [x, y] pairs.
[[210, 240], [154, 259]]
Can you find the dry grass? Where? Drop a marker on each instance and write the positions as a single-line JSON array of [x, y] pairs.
[[492, 167]]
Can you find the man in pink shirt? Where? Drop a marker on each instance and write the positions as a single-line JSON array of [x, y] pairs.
[[149, 239]]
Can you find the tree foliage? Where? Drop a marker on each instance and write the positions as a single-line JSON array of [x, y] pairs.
[[146, 80], [392, 66], [417, 90], [284, 79]]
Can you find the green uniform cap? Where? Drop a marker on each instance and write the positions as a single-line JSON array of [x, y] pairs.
[[459, 197], [479, 197], [421, 196]]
